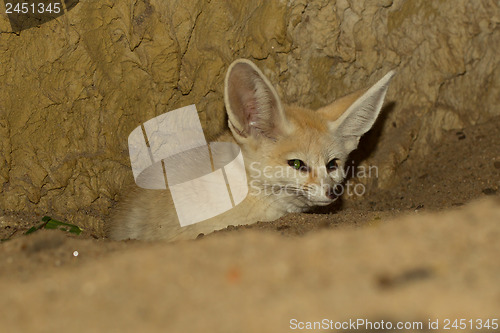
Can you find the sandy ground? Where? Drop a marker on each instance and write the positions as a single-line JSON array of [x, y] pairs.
[[426, 249]]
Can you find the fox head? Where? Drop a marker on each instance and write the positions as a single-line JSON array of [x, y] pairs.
[[295, 156]]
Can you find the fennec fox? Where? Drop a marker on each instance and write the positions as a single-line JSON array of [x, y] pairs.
[[294, 157]]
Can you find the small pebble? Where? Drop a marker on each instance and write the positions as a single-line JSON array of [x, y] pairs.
[[489, 191], [460, 135]]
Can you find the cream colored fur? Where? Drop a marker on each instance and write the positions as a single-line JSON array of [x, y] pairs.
[[270, 135]]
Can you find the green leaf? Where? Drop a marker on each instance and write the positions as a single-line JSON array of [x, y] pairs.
[[50, 223], [54, 224]]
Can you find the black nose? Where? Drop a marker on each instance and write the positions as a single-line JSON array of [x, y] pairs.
[[334, 192]]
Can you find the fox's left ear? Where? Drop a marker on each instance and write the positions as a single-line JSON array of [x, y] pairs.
[[363, 109], [253, 106]]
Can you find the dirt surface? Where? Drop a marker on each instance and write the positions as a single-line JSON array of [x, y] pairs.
[[409, 253]]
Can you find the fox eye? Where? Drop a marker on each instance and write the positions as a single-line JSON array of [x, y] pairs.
[[332, 165], [297, 164]]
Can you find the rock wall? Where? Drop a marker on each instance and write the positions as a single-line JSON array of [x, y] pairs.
[[72, 89]]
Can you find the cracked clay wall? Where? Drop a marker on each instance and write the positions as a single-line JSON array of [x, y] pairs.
[[72, 89]]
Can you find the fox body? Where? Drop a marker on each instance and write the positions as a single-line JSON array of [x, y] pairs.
[[294, 157]]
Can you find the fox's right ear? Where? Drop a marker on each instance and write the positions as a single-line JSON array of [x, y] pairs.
[[363, 109], [253, 106]]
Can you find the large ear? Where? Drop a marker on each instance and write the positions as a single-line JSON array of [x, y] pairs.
[[253, 106], [363, 109]]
